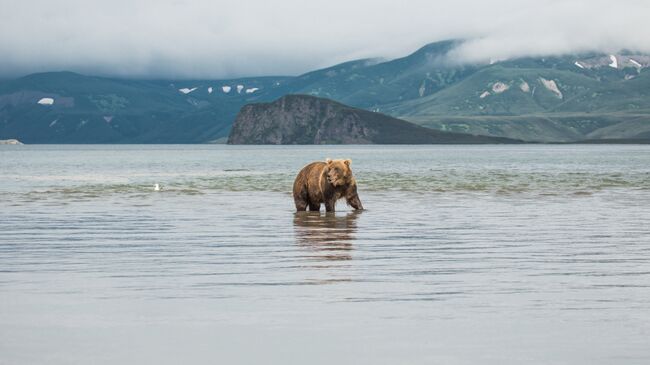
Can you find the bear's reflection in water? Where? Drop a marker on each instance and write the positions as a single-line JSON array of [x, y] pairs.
[[327, 236]]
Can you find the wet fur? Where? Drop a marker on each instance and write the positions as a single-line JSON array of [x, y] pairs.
[[325, 183]]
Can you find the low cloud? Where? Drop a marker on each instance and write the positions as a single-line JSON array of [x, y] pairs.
[[220, 39], [561, 27]]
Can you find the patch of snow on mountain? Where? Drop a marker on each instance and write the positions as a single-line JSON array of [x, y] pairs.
[[614, 63], [240, 88], [635, 63], [422, 89], [251, 90], [226, 89], [46, 101], [497, 60], [524, 86], [210, 90], [108, 118], [578, 64], [551, 86], [499, 87], [484, 95], [53, 123], [629, 77], [186, 90]]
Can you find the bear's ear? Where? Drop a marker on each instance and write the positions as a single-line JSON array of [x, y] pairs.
[[348, 162], [328, 161]]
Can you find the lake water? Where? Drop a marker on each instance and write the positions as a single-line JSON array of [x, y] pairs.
[[465, 255]]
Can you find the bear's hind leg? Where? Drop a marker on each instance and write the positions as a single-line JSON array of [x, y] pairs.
[[314, 207], [330, 206], [301, 206], [300, 201], [300, 197]]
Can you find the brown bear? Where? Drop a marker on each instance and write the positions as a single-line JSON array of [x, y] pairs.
[[325, 182]]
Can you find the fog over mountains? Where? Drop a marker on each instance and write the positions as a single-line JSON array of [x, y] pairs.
[[176, 39]]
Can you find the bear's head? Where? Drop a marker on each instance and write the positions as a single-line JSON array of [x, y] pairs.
[[339, 172]]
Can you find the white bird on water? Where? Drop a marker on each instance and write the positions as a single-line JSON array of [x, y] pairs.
[[156, 187]]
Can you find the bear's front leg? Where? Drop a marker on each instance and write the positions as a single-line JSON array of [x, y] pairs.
[[352, 198], [354, 202], [329, 205]]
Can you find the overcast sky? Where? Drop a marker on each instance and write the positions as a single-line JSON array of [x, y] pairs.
[[218, 39]]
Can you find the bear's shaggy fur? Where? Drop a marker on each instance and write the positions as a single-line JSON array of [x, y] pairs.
[[325, 182]]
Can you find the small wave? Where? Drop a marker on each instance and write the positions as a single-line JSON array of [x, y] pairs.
[[98, 191], [439, 182]]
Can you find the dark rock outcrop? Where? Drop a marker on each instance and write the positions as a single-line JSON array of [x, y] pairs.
[[304, 119]]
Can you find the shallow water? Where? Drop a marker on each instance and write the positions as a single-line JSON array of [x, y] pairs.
[[465, 255]]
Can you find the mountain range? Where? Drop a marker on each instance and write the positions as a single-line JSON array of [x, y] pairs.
[[596, 97]]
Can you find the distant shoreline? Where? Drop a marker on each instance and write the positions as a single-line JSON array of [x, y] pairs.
[[586, 142]]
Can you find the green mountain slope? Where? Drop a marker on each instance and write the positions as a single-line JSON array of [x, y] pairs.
[[373, 84]]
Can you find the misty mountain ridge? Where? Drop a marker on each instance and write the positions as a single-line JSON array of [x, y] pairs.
[[548, 99]]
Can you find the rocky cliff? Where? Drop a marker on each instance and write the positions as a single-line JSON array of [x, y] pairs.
[[303, 119]]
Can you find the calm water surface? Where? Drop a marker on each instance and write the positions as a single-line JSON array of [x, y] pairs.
[[465, 255]]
